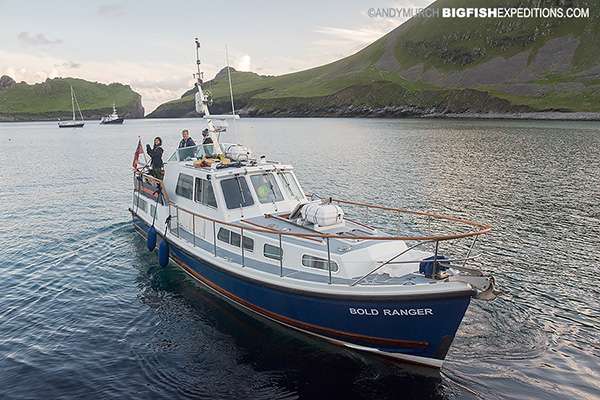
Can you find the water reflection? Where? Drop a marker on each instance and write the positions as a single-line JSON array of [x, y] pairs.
[[86, 311]]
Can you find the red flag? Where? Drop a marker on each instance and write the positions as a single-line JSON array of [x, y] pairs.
[[139, 150]]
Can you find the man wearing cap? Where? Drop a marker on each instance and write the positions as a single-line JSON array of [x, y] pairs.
[[186, 140]]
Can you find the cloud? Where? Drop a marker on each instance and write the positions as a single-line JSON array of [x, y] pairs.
[[243, 63], [111, 10], [337, 42], [68, 65], [148, 79], [361, 36], [37, 39]]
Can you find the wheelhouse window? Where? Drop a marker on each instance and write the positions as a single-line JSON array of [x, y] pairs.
[[204, 193], [290, 185], [190, 153], [233, 238], [185, 186], [273, 252], [318, 263], [266, 188], [236, 193]]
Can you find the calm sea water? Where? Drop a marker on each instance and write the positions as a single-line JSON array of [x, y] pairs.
[[85, 310]]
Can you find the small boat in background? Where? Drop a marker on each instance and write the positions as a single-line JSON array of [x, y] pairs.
[[112, 118], [74, 123]]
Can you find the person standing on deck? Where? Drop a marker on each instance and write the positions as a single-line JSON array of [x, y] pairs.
[[156, 158], [186, 140], [207, 144], [206, 139]]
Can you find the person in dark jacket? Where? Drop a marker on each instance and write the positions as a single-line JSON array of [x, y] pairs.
[[207, 144], [186, 140], [156, 158], [206, 137]]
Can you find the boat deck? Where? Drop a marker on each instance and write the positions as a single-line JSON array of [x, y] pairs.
[[287, 272], [348, 228], [249, 262]]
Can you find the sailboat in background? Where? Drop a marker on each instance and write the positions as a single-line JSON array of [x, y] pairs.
[[73, 123]]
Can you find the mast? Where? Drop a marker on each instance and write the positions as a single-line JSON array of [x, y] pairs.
[[229, 76], [201, 98], [72, 102]]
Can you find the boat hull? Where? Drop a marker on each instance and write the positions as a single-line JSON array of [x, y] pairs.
[[117, 121], [71, 125], [414, 329]]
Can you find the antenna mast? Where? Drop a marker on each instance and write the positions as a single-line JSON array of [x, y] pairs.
[[201, 98]]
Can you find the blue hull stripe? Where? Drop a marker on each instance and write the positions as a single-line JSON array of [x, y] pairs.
[[416, 327]]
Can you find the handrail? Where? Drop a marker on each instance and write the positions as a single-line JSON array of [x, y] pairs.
[[389, 261], [481, 228], [484, 229], [250, 226], [242, 225], [419, 213]]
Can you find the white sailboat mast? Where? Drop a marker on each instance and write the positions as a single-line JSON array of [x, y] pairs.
[[229, 76], [72, 102], [78, 108]]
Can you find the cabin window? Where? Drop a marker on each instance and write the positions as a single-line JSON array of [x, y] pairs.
[[233, 238], [204, 193], [185, 186], [266, 187], [273, 252], [152, 210], [319, 263], [224, 235], [290, 186], [236, 193]]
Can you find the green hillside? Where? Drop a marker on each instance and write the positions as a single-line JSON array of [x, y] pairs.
[[437, 65], [52, 99]]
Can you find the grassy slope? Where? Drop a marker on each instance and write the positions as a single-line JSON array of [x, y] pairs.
[[443, 43], [452, 43], [53, 96]]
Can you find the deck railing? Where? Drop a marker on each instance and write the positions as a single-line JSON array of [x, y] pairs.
[[476, 230]]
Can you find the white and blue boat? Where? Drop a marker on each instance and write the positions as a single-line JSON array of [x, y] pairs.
[[243, 227]]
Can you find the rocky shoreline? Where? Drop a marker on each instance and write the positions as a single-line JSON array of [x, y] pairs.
[[416, 112]]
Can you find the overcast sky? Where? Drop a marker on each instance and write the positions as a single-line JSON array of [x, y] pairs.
[[150, 44]]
